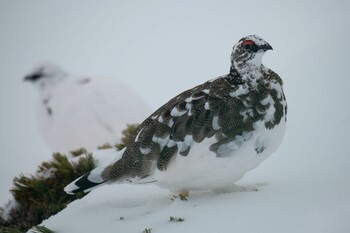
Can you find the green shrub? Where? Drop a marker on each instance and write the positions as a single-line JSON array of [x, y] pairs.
[[127, 133], [41, 195]]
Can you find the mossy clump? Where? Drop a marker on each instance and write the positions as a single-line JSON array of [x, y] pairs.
[[41, 195], [42, 229], [127, 133], [105, 146], [147, 230], [8, 229], [78, 152], [176, 219]]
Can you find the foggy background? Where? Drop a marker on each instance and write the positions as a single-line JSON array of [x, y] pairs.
[[161, 48]]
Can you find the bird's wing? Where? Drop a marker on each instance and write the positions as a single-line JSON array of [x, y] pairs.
[[206, 111]]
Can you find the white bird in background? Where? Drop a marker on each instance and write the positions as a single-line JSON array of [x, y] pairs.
[[81, 111]]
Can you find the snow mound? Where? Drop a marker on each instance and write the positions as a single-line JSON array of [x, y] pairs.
[[278, 206]]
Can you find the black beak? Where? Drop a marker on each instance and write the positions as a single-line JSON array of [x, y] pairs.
[[266, 47], [32, 77]]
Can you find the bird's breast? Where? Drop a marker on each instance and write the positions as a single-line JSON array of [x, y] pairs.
[[250, 128], [203, 169]]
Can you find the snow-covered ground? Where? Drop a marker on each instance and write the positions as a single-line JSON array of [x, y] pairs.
[[161, 48], [292, 197]]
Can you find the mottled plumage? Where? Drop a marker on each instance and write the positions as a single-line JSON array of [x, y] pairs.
[[211, 135]]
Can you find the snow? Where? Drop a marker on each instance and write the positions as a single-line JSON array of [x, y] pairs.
[[279, 206], [5, 213], [46, 173], [160, 54]]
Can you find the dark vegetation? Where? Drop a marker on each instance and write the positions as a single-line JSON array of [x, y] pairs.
[[39, 196]]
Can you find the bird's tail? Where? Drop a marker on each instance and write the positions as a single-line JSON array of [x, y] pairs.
[[94, 178], [85, 183]]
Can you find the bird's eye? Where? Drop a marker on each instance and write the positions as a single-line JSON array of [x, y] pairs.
[[247, 46]]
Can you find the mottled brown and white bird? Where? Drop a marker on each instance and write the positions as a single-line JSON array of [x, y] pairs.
[[207, 137]]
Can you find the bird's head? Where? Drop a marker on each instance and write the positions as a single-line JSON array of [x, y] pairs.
[[247, 53], [46, 76]]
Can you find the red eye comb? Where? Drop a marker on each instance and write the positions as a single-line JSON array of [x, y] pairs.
[[248, 42]]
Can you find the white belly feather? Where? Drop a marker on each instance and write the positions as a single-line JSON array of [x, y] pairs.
[[202, 169]]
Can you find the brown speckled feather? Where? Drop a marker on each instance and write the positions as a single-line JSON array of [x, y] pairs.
[[192, 113]]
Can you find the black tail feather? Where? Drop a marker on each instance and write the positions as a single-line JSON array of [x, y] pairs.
[[82, 184]]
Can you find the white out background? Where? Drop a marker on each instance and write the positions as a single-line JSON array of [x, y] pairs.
[[160, 48]]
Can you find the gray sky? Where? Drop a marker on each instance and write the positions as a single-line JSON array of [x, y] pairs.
[[161, 48]]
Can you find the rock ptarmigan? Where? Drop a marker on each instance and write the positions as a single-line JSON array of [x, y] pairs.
[[207, 137], [83, 111]]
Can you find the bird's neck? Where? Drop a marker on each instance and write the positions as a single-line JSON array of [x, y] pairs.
[[249, 74]]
